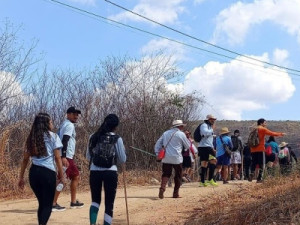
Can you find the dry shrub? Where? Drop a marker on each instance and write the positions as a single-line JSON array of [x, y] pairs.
[[277, 201], [8, 174], [139, 177]]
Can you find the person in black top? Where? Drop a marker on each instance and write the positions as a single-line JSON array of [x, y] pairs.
[[247, 160]]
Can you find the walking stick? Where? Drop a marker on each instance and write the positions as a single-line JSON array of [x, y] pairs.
[[124, 180], [242, 178]]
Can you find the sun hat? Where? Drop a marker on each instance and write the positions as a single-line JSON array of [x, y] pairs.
[[177, 123], [224, 130], [210, 117], [283, 144]]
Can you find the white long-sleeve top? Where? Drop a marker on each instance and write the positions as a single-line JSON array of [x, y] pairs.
[[174, 148]]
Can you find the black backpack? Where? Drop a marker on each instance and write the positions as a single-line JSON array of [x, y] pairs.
[[235, 142], [104, 153], [197, 135]]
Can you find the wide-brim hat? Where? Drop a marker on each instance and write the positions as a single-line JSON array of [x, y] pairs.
[[283, 144], [224, 130], [210, 117], [177, 123]]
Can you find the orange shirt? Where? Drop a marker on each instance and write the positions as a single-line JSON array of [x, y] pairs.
[[262, 132]]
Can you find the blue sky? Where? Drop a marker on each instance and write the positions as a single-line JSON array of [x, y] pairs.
[[267, 30]]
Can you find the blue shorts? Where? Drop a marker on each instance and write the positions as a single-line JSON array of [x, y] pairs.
[[223, 160]]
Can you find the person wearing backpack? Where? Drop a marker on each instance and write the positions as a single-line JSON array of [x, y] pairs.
[[236, 158], [105, 150], [271, 153], [206, 150], [258, 151], [284, 157], [174, 141]]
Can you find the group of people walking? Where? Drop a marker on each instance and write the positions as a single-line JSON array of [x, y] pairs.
[[52, 159], [220, 156], [50, 153]]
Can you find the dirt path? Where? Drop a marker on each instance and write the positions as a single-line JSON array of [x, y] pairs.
[[145, 207]]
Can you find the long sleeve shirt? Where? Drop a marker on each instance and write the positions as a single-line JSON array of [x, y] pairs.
[[207, 134], [174, 141], [262, 132]]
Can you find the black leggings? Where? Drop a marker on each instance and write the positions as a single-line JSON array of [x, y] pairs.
[[43, 181], [110, 180]]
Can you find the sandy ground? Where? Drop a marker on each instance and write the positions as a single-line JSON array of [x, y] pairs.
[[144, 206]]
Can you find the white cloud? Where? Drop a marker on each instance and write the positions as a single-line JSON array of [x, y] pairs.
[[167, 47], [280, 56], [11, 93], [161, 11], [234, 22], [9, 87], [235, 87]]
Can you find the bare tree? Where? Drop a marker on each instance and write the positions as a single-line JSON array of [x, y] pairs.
[[16, 67]]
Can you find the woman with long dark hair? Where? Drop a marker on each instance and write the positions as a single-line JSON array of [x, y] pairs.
[[105, 150], [43, 147]]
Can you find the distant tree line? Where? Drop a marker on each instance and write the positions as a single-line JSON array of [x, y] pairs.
[[134, 89]]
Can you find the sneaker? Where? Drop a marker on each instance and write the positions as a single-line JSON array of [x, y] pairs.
[[203, 184], [76, 205], [259, 181], [225, 182], [58, 208], [212, 182]]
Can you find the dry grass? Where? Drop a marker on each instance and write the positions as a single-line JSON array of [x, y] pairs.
[[277, 201]]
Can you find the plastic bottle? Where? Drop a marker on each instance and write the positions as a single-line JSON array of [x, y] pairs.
[[60, 186]]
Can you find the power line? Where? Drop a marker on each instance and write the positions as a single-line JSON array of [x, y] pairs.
[[87, 13], [197, 39]]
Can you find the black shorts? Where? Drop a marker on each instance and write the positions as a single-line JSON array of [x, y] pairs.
[[270, 158], [204, 153], [187, 162]]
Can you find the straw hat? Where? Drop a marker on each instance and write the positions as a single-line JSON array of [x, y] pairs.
[[224, 130], [210, 117], [177, 123], [283, 144]]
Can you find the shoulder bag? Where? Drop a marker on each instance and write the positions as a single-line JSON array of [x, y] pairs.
[[162, 151], [226, 148]]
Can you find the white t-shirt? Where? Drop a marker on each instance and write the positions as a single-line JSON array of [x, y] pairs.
[[52, 142], [68, 128]]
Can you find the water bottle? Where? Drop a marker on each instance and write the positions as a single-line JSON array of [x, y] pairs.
[[60, 186]]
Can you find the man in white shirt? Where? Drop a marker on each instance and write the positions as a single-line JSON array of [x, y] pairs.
[[67, 134], [174, 141]]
